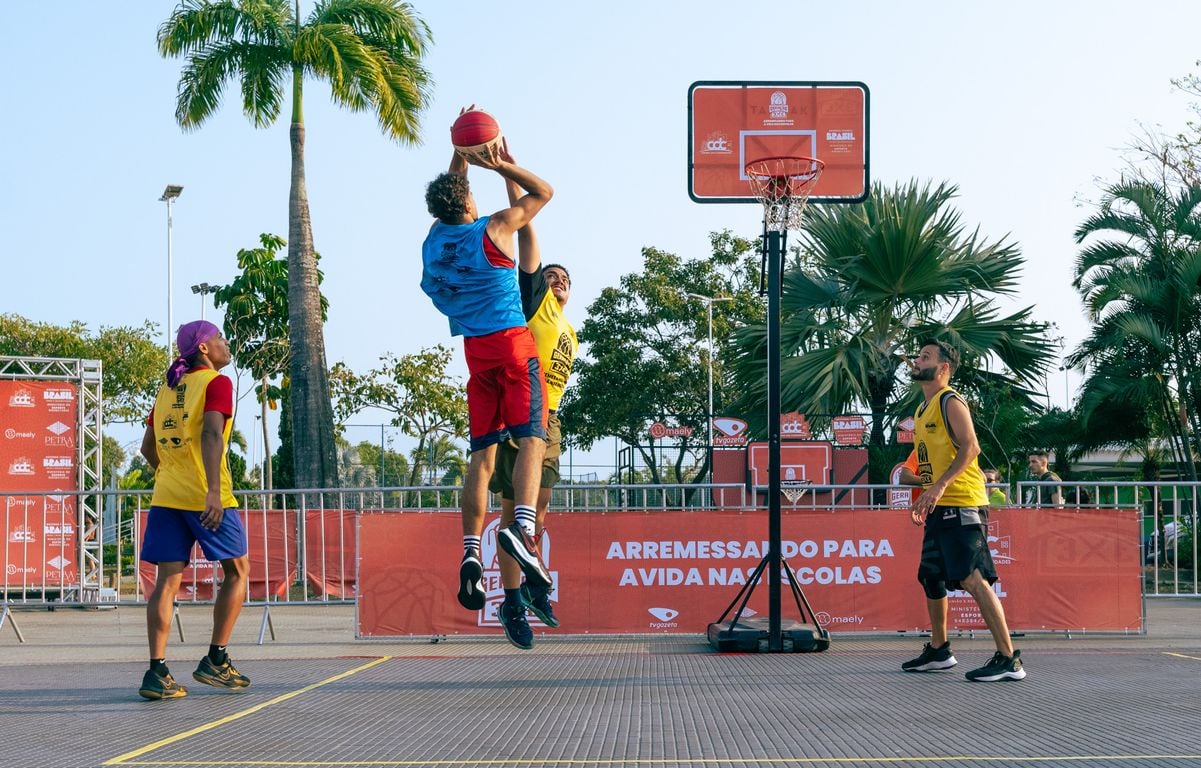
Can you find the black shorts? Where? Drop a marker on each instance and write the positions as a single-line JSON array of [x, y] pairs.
[[951, 554], [506, 459]]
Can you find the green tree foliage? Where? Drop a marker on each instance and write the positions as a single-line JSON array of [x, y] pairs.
[[256, 324], [422, 399], [133, 363], [647, 357], [869, 283], [1138, 275], [370, 53]]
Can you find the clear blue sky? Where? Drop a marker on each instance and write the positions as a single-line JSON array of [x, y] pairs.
[[1022, 104]]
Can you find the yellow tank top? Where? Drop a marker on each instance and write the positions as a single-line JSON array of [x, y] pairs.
[[936, 451], [557, 347], [179, 482]]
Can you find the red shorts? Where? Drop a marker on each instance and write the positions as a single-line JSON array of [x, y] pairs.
[[506, 392]]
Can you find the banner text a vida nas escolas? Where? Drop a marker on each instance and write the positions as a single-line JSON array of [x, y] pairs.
[[669, 576]]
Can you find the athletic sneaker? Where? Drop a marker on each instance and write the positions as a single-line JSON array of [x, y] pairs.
[[999, 667], [156, 686], [537, 599], [471, 581], [522, 548], [220, 675], [517, 629], [931, 659]]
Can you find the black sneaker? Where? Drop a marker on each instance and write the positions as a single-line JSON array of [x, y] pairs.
[[156, 686], [517, 629], [471, 581], [537, 599], [220, 675], [522, 548], [931, 659], [999, 667]]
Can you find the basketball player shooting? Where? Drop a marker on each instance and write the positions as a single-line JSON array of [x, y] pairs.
[[471, 277]]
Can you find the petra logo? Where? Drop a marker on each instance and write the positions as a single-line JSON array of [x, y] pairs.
[[57, 428], [663, 614], [59, 562]]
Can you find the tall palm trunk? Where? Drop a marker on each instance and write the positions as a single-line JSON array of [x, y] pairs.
[[314, 455], [266, 468]]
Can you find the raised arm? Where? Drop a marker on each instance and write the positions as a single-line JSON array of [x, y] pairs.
[[529, 255], [502, 224]]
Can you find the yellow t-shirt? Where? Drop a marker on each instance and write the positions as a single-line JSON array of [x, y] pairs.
[[180, 481], [936, 451], [557, 345]]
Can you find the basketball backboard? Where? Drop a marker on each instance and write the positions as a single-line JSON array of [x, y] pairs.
[[732, 123], [799, 463]]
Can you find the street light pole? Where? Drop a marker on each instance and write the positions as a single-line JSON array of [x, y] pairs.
[[709, 309], [204, 289], [170, 194]]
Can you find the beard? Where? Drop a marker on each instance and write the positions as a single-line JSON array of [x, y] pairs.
[[922, 374]]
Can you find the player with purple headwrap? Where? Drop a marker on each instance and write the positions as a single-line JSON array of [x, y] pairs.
[[186, 442]]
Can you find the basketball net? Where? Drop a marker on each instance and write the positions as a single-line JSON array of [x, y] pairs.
[[783, 185], [793, 490]]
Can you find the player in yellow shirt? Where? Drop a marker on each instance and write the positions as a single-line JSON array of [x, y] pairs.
[[954, 508], [186, 443]]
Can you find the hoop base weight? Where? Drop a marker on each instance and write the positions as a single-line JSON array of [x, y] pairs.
[[748, 635]]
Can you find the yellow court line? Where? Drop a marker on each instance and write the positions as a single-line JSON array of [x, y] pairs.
[[1182, 656], [121, 759], [633, 763]]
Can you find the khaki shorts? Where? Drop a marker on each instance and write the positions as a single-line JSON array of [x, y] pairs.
[[506, 459]]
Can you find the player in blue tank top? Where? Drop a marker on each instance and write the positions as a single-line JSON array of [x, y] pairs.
[[471, 278]]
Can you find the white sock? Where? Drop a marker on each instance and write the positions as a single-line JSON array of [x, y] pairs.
[[526, 517], [471, 542]]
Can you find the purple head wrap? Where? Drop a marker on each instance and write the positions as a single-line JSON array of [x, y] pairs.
[[188, 340]]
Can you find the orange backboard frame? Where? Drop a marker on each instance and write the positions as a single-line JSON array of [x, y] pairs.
[[732, 123]]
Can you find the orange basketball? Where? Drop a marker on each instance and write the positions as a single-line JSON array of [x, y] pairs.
[[473, 128]]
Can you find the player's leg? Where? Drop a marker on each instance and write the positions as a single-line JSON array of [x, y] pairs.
[[970, 567], [226, 545], [168, 544], [931, 574]]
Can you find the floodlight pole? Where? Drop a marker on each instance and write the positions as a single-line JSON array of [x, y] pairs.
[[204, 289], [170, 194], [709, 308]]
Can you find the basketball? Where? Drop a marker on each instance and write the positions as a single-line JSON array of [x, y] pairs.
[[474, 134]]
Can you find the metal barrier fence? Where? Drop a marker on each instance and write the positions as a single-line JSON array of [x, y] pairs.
[[303, 542]]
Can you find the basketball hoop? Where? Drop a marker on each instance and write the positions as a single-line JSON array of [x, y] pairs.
[[783, 185], [793, 490]]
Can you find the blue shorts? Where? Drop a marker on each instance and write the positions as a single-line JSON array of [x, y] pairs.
[[170, 534]]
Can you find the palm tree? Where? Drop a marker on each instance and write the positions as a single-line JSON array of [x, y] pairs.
[[442, 458], [370, 52], [869, 282], [1139, 281]]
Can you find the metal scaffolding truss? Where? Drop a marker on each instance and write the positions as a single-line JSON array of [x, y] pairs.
[[87, 375]]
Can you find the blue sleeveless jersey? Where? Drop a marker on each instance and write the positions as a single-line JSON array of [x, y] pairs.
[[470, 280]]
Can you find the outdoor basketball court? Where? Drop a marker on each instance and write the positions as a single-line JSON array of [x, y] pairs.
[[319, 698]]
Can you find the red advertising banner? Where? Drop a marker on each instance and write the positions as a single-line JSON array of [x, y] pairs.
[[329, 560], [638, 572], [271, 537], [41, 542], [38, 450]]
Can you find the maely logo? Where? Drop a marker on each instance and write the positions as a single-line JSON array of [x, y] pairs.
[[663, 614], [13, 434]]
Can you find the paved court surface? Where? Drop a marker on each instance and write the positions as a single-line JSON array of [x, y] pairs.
[[319, 698]]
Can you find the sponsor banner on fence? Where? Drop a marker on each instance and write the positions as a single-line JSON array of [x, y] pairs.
[[38, 421], [41, 542], [632, 572], [271, 548]]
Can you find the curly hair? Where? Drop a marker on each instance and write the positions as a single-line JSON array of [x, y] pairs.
[[446, 197]]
